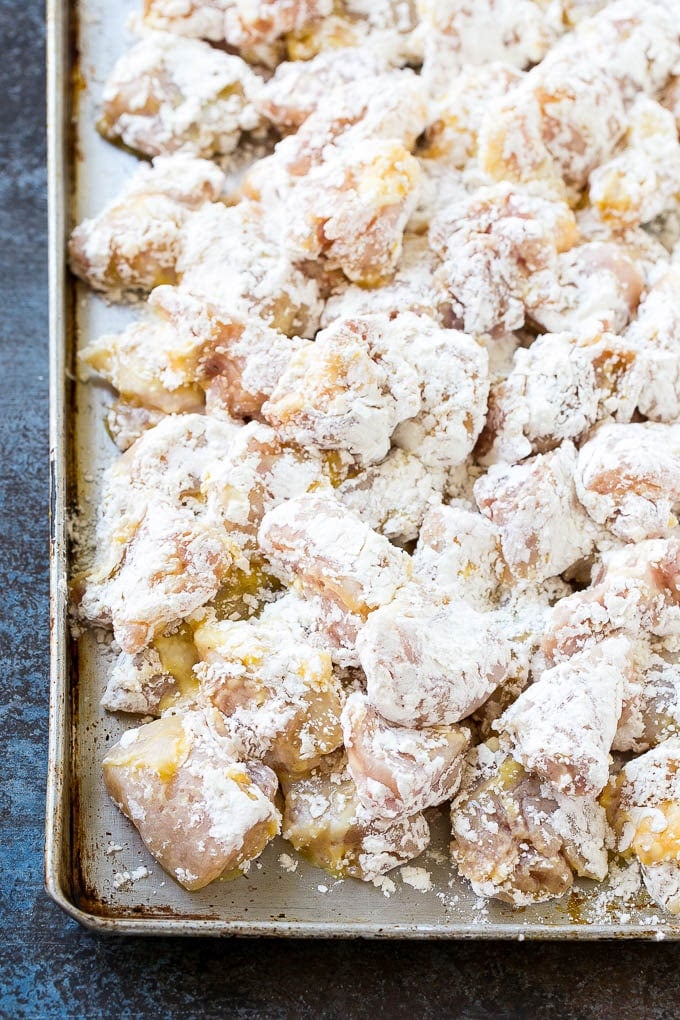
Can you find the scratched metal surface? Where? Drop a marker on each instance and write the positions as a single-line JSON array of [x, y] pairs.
[[91, 846]]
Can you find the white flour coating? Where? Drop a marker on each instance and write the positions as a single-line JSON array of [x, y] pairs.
[[563, 726], [240, 23], [168, 94], [134, 243], [429, 663], [542, 528], [655, 334], [651, 699], [198, 809], [399, 771], [628, 478], [332, 553], [392, 497], [136, 683]]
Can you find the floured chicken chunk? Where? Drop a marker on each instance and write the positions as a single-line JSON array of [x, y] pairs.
[[558, 124], [319, 622], [318, 543], [279, 695], [563, 726], [515, 838], [429, 663], [240, 23], [324, 819], [492, 243], [557, 389], [169, 94], [452, 137], [162, 549], [353, 208], [543, 530], [399, 771], [411, 289], [346, 391], [392, 497], [200, 811], [628, 478], [656, 335], [300, 87], [233, 260], [634, 591], [134, 243], [459, 32], [155, 679], [641, 182], [651, 701], [644, 806], [458, 555], [185, 356]]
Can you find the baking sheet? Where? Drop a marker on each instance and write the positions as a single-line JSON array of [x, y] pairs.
[[95, 864]]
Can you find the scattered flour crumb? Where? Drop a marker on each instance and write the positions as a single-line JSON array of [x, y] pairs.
[[322, 888], [418, 878], [130, 877], [287, 862], [113, 848], [385, 884]]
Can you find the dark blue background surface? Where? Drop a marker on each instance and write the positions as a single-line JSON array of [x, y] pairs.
[[49, 967]]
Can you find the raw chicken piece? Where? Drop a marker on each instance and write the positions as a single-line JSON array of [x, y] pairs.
[[240, 23], [628, 478], [643, 804], [327, 550], [543, 530], [347, 391], [428, 663], [492, 243], [279, 695], [201, 812], [399, 771], [135, 241], [324, 819], [562, 727], [651, 700], [155, 679], [168, 94], [655, 334], [517, 840]]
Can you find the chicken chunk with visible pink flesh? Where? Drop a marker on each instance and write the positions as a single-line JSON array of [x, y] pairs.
[[201, 812]]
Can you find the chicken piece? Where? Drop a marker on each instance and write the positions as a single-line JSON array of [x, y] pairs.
[[557, 389], [458, 555], [353, 208], [300, 87], [347, 391], [628, 478], [643, 247], [392, 497], [643, 804], [543, 530], [634, 591], [318, 622], [560, 123], [451, 138], [399, 771], [428, 663], [655, 333], [516, 839], [155, 679], [135, 241], [168, 94], [324, 819], [562, 727], [453, 372], [162, 550], [233, 260], [596, 281], [240, 23], [201, 812], [642, 182], [184, 355], [279, 695], [492, 242], [460, 32], [410, 290], [651, 702], [320, 545]]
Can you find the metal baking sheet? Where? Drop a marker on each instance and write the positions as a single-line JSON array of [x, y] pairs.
[[95, 864]]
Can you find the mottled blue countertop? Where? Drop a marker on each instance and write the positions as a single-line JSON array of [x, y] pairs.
[[49, 967]]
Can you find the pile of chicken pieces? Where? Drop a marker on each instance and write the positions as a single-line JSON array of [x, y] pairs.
[[393, 521]]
